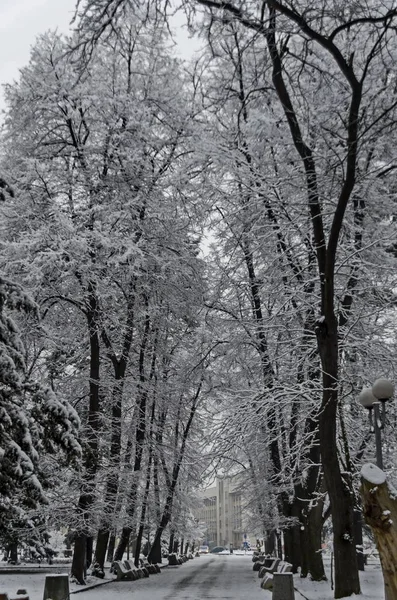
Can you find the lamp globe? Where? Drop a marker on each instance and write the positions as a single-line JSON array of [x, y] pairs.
[[366, 398], [383, 389]]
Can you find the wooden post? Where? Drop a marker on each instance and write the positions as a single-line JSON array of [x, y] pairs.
[[380, 513]]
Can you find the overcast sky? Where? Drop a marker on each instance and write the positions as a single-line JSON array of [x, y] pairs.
[[21, 21]]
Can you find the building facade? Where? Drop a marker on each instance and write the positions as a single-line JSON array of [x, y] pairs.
[[222, 515]]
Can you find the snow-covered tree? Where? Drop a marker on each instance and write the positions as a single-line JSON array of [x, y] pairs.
[[35, 423]]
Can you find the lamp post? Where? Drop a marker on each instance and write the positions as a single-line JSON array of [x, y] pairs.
[[374, 399]]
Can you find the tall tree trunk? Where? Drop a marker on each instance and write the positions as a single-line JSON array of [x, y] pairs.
[[155, 551], [339, 493], [312, 495], [171, 542], [87, 495], [346, 572], [13, 552], [112, 478], [111, 546], [270, 542], [358, 537], [304, 549], [140, 435], [314, 523], [89, 551], [156, 486], [292, 538], [79, 561], [119, 367], [101, 546], [145, 495]]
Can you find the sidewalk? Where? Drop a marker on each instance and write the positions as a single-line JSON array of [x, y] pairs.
[[32, 577]]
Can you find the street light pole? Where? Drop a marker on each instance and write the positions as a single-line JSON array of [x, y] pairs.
[[378, 426], [371, 398]]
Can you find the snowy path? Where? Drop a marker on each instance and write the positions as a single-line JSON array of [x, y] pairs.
[[205, 578]]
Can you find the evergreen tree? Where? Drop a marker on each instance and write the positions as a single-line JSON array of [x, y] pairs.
[[34, 423]]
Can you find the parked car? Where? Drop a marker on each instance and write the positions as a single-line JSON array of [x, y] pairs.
[[204, 549], [217, 549]]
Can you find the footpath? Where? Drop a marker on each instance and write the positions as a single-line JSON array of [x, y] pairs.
[[30, 576]]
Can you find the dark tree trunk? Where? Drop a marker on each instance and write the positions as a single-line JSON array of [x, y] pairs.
[[79, 558], [138, 545], [176, 546], [134, 546], [171, 543], [312, 506], [112, 481], [111, 546], [279, 545], [346, 573], [292, 545], [146, 492], [339, 492], [156, 487], [139, 436], [89, 551], [270, 542], [91, 448], [155, 551], [101, 546], [154, 557], [13, 552], [358, 538], [314, 524], [304, 549]]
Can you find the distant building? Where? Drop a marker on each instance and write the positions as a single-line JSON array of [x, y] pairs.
[[223, 514]]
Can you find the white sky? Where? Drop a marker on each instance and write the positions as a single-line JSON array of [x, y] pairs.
[[21, 21]]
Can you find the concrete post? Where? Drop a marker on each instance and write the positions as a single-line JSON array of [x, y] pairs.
[[283, 586], [56, 587]]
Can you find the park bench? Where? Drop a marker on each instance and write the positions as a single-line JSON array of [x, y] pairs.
[[258, 557], [138, 572], [174, 560], [266, 561], [122, 572], [153, 569], [282, 568], [270, 564]]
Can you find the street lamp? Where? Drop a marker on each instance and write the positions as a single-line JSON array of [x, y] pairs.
[[371, 398]]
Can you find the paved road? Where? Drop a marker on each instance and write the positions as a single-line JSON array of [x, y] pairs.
[[205, 578]]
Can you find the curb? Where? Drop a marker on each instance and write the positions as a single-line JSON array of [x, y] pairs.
[[85, 588], [299, 592]]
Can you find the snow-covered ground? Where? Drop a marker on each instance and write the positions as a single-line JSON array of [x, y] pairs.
[[210, 576]]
